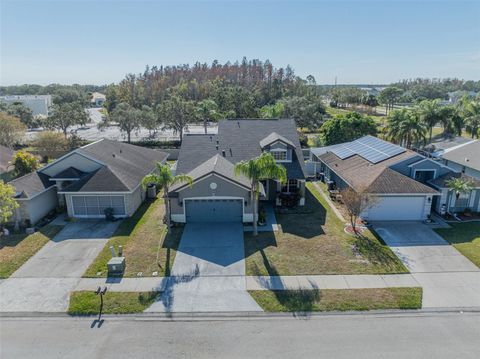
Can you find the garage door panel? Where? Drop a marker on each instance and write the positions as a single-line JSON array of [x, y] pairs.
[[94, 206], [218, 210], [397, 208]]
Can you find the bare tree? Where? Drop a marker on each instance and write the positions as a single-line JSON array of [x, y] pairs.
[[356, 202]]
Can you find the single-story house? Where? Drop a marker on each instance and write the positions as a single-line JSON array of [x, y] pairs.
[[217, 193], [392, 174], [86, 181], [98, 99]]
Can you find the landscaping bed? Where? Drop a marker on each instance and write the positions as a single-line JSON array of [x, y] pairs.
[[143, 237], [313, 241], [465, 237], [16, 249], [87, 302], [338, 299]]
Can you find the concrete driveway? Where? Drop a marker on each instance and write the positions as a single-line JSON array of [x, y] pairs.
[[447, 277], [208, 272], [44, 282]]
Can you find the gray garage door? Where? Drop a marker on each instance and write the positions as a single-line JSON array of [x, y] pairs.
[[94, 206], [213, 210]]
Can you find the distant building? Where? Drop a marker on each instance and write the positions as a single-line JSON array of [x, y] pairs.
[[455, 96], [98, 99], [39, 104]]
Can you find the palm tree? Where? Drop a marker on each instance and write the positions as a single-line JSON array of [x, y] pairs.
[[164, 178], [405, 127], [429, 113], [257, 169], [472, 118], [207, 110], [459, 186]]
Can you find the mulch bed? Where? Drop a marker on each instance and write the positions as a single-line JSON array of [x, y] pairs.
[[349, 229]]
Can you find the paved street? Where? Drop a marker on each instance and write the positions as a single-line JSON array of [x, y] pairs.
[[339, 336]]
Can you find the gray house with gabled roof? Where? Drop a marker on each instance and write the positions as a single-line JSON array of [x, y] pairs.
[[217, 193], [86, 181]]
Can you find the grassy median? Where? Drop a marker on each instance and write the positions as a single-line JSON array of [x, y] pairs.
[[338, 299], [87, 302]]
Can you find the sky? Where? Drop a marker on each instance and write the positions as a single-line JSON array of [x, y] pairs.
[[372, 42]]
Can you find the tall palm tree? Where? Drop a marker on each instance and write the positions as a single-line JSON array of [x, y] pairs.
[[405, 127], [459, 186], [472, 118], [429, 113], [257, 169], [207, 110], [164, 178]]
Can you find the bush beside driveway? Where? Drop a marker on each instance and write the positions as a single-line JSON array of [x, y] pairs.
[[311, 240], [143, 237], [16, 249], [465, 237]]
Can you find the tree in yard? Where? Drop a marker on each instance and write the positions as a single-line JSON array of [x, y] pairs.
[[273, 111], [207, 110], [24, 163], [12, 130], [429, 112], [405, 128], [459, 186], [163, 177], [66, 115], [176, 113], [127, 117], [7, 202], [257, 169], [348, 127], [356, 202], [149, 120], [471, 110], [50, 144]]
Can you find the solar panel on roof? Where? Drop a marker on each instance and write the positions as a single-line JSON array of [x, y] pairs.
[[343, 152]]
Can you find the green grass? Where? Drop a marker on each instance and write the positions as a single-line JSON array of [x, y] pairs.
[[142, 236], [465, 237], [338, 299], [311, 240], [85, 303], [16, 249]]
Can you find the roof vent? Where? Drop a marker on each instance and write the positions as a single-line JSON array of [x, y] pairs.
[[231, 153], [238, 123], [113, 154], [217, 141], [210, 138], [216, 147], [467, 159], [223, 153]]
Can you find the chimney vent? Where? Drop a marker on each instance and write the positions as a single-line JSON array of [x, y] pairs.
[[216, 147], [231, 154], [223, 153]]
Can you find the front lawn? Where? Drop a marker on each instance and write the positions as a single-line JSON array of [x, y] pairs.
[[143, 237], [338, 299], [16, 249], [465, 237], [87, 302], [311, 240]]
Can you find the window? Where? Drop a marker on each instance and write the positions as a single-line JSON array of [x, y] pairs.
[[279, 155], [291, 186]]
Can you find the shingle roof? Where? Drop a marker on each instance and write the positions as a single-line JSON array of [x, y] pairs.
[[218, 165], [440, 182], [240, 139], [31, 184], [6, 155], [102, 180], [273, 137], [70, 172], [466, 155], [127, 163], [360, 174]]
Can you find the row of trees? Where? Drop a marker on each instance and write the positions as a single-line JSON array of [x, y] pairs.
[[415, 125]]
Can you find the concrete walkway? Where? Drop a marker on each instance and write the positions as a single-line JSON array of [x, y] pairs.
[[330, 203], [207, 273], [447, 277], [44, 282]]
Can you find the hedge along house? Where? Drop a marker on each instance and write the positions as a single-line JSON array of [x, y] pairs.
[[86, 181], [392, 174], [217, 193]]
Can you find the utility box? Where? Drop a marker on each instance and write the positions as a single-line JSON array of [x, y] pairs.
[[116, 266], [151, 191]]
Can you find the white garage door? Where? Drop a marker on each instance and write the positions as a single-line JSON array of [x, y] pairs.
[[94, 206], [397, 209]]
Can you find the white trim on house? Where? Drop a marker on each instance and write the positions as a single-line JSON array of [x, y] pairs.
[[429, 160], [186, 185], [63, 179], [99, 215], [36, 195], [424, 170], [182, 218], [70, 154], [281, 150]]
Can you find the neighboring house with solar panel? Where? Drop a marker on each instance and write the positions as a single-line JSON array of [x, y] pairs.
[[397, 177]]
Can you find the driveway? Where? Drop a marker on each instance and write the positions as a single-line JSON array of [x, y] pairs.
[[44, 282], [447, 277], [208, 272]]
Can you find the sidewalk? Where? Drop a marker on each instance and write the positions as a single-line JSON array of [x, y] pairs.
[[260, 282]]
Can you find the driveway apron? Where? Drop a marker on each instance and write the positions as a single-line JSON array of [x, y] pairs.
[[208, 274], [448, 278], [44, 282]]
